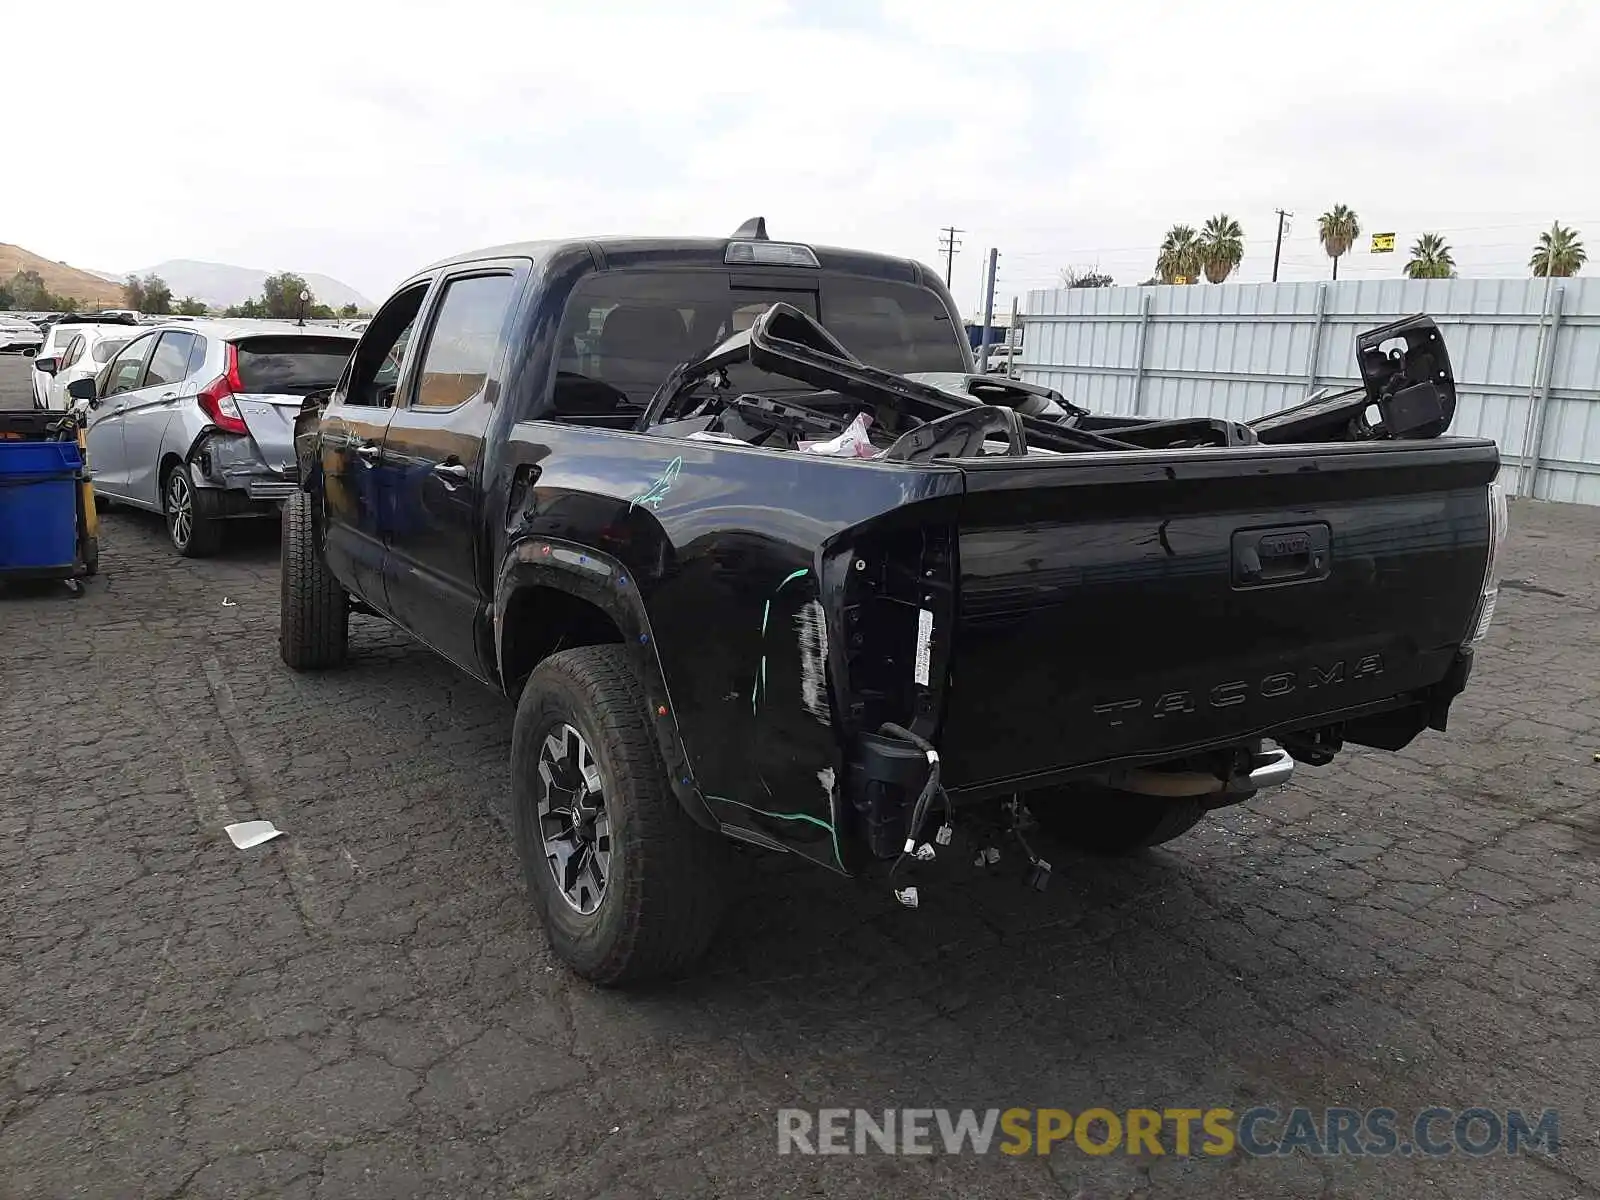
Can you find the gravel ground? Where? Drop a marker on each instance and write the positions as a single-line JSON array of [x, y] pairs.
[[363, 1007]]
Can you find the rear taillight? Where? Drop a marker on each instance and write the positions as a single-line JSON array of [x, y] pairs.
[[1499, 525], [216, 398]]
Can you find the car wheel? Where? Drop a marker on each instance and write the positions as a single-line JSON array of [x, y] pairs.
[[192, 523], [627, 886], [313, 611], [1102, 820]]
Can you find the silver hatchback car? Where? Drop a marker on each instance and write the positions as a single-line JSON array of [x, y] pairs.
[[196, 420]]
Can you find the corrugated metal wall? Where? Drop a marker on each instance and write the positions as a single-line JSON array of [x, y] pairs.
[[1240, 350]]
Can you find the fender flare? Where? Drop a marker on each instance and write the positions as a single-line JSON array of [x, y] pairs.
[[609, 585]]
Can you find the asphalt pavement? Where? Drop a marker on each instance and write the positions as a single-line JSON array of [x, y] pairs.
[[363, 1007]]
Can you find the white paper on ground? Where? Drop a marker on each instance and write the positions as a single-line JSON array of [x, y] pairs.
[[246, 834]]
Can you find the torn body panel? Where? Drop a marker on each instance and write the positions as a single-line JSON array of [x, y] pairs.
[[735, 575]]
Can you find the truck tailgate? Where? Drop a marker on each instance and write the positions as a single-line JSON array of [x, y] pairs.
[[1136, 605]]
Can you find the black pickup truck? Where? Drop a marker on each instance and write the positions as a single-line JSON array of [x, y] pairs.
[[760, 556]]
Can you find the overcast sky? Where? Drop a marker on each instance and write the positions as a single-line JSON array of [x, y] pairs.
[[363, 141]]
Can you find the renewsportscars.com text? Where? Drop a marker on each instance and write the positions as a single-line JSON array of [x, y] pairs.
[[1214, 1132]]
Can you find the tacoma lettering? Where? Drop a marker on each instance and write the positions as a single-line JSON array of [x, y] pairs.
[[1227, 695]]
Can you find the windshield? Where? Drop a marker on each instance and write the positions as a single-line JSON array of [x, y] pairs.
[[288, 366], [624, 331]]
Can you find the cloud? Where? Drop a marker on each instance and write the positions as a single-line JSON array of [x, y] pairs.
[[362, 141]]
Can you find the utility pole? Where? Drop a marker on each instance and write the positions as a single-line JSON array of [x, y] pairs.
[[1530, 436], [988, 313], [1013, 340], [1278, 248], [948, 243]]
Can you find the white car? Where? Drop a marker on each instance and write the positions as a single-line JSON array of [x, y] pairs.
[[19, 335], [71, 352]]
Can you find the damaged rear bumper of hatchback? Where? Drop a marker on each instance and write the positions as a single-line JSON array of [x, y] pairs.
[[232, 464]]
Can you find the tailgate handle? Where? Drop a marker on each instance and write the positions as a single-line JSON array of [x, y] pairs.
[[1284, 554]]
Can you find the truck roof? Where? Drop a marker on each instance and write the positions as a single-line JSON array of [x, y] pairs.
[[619, 251]]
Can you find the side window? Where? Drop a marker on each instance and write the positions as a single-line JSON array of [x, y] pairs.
[[170, 362], [374, 370], [197, 355], [463, 341], [73, 350], [126, 368]]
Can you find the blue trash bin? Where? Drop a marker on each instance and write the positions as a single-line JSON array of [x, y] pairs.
[[39, 507]]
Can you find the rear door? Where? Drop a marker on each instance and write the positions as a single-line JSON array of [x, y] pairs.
[[276, 374], [150, 408], [433, 453], [104, 437], [354, 486]]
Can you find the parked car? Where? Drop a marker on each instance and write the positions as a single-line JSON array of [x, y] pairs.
[[73, 351], [760, 556], [1001, 359], [18, 336], [195, 420]]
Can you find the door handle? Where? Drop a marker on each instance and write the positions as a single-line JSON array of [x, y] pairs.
[[167, 396], [453, 471], [368, 453]]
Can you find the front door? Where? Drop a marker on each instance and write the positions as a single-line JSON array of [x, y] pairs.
[[434, 453], [103, 437], [354, 483]]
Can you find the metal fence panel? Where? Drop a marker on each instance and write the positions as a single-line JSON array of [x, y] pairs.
[[1526, 354]]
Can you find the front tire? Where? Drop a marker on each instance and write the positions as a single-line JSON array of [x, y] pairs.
[[313, 612], [191, 512], [627, 886], [1102, 820]]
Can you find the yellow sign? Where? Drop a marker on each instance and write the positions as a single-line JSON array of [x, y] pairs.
[[1180, 279], [1383, 243]]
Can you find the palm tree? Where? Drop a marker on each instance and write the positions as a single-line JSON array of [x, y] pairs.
[[1338, 228], [1430, 259], [1559, 252], [1221, 247], [1180, 255]]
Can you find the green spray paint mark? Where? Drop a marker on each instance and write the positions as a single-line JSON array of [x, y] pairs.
[[806, 818], [653, 495], [760, 684]]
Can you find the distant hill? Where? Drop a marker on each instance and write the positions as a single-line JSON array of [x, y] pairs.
[[220, 284], [86, 287]]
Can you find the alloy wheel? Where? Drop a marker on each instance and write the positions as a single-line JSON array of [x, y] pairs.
[[180, 508], [573, 822]]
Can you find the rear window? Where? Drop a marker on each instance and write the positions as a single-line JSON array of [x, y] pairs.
[[103, 350], [288, 366], [628, 329]]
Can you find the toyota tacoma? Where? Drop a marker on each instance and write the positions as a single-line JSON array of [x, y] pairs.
[[760, 556]]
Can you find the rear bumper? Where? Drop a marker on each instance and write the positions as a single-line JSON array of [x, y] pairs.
[[233, 464], [271, 489]]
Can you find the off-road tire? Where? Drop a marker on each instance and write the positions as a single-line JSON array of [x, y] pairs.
[[1102, 820], [205, 527], [664, 896], [313, 612]]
